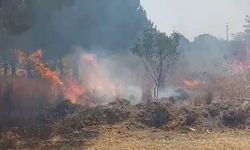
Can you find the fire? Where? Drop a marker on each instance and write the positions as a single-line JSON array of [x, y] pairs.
[[40, 68], [22, 57], [73, 91], [96, 81], [192, 84]]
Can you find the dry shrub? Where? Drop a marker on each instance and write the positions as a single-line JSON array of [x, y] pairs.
[[235, 87], [154, 114], [229, 88], [234, 118], [203, 96]]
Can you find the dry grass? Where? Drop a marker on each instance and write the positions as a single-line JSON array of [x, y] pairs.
[[231, 88], [236, 87], [24, 94], [114, 139]]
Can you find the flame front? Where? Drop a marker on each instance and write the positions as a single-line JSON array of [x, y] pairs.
[[73, 90], [94, 78], [94, 81], [192, 84]]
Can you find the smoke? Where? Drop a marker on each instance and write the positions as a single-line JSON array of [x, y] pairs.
[[205, 55], [107, 77], [104, 29], [58, 26], [205, 60]]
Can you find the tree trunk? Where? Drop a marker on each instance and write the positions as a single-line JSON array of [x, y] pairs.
[[5, 69], [61, 68], [156, 89], [76, 69], [8, 91], [13, 70], [28, 68]]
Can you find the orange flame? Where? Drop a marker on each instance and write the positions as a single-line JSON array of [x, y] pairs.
[[94, 77], [192, 84], [22, 57], [44, 71], [94, 80], [73, 91]]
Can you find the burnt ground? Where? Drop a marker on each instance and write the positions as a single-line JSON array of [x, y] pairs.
[[69, 126]]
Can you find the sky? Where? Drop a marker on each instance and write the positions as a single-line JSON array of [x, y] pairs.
[[194, 17]]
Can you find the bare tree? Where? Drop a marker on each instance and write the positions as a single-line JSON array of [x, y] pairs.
[[158, 52]]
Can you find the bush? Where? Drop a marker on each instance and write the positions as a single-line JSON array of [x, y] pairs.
[[234, 118], [154, 115]]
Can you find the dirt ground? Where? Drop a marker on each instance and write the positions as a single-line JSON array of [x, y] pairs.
[[152, 139]]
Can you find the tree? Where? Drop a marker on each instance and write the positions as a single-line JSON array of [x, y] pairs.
[[247, 26], [58, 26], [158, 52], [247, 30]]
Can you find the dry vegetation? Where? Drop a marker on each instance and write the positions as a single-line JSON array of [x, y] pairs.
[[215, 116], [117, 138], [120, 125]]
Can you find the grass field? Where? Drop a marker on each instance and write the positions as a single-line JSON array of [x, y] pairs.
[[115, 139]]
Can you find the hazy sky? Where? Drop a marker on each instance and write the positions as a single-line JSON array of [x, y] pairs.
[[193, 17]]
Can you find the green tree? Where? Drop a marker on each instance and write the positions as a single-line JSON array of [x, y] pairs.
[[247, 28], [158, 52], [57, 26]]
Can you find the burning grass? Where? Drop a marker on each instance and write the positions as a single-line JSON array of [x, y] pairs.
[[35, 108]]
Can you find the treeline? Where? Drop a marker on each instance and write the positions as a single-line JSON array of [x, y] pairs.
[[58, 26], [206, 51]]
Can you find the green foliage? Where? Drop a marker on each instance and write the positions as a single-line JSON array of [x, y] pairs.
[[19, 16], [16, 16], [58, 25], [245, 35], [247, 27]]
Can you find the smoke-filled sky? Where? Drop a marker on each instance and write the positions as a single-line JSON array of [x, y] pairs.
[[193, 17]]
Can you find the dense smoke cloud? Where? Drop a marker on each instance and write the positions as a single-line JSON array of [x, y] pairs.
[[107, 77], [106, 29], [58, 26]]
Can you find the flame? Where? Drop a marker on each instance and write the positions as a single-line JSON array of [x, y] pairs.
[[73, 91], [43, 70], [192, 84], [94, 77], [22, 57], [94, 81], [40, 68]]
